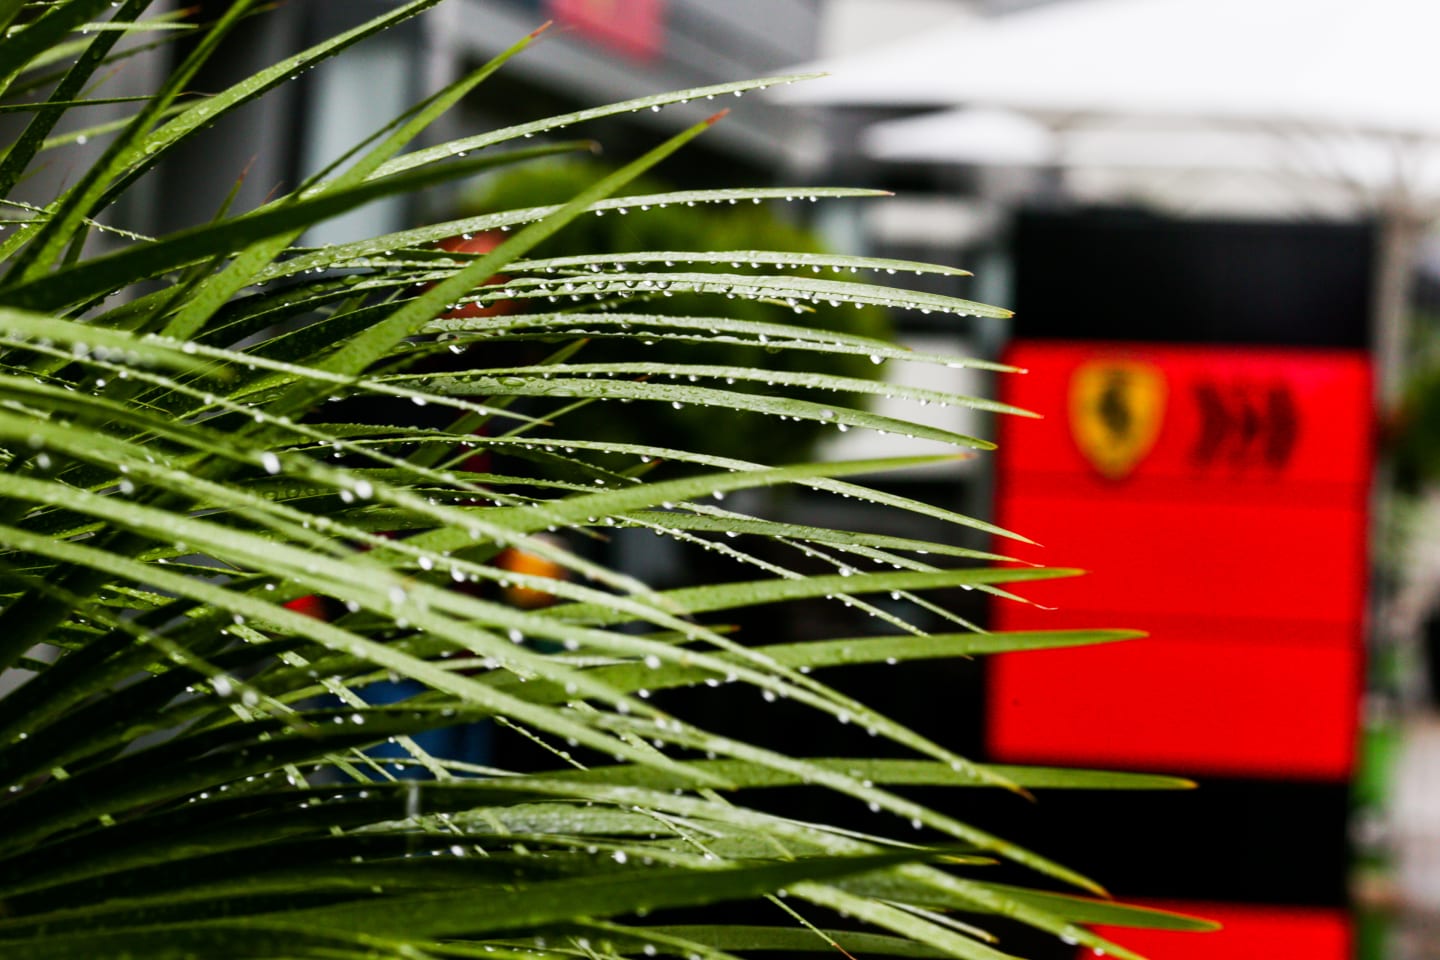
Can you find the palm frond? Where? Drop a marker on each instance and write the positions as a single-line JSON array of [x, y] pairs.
[[234, 609]]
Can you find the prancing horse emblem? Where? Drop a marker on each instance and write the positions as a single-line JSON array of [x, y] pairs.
[[1116, 408]]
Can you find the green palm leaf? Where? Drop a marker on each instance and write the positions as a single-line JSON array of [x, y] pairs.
[[236, 613]]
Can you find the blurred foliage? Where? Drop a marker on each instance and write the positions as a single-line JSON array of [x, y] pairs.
[[1412, 435], [1415, 434]]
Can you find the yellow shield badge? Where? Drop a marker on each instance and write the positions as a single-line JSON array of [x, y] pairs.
[[1116, 408]]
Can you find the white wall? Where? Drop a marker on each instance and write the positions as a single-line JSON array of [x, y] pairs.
[[852, 26]]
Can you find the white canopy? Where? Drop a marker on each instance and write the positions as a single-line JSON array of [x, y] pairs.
[[1341, 90], [1371, 172], [1360, 65]]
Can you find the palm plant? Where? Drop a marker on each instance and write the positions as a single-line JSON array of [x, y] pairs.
[[186, 764], [709, 226]]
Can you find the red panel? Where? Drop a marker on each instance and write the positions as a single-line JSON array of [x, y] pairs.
[[310, 605], [1234, 532], [1200, 557], [1250, 933], [1329, 390], [1267, 710], [634, 28]]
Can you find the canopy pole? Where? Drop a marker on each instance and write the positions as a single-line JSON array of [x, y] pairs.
[[1400, 233]]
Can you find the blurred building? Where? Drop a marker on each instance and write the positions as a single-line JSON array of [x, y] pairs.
[[596, 52]]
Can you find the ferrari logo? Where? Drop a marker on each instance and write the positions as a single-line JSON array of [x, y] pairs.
[[1116, 408]]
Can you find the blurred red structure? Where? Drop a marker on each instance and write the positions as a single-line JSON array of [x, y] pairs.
[[1219, 497], [1248, 933], [634, 28], [477, 245]]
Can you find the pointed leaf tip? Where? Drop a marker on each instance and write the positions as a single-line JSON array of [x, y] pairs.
[[541, 29], [711, 121]]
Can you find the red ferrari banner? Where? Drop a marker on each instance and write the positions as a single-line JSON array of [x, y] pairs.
[[1218, 497]]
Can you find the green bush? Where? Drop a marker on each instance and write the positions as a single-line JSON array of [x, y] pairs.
[[187, 764]]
